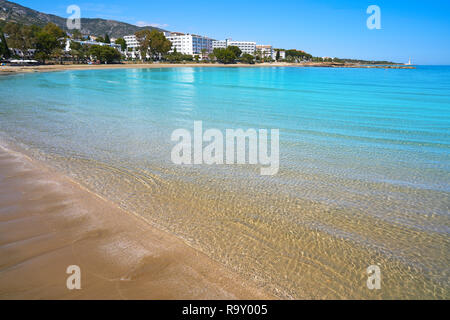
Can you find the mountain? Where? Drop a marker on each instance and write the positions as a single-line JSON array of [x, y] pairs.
[[13, 12]]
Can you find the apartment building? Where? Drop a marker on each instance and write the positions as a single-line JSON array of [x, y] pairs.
[[132, 42], [245, 46], [132, 50], [264, 51], [190, 44]]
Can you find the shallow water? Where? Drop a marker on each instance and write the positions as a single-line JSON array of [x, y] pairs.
[[364, 176]]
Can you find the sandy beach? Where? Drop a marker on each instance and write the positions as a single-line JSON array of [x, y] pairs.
[[48, 222], [50, 68]]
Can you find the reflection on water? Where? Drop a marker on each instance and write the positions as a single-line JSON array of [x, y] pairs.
[[364, 176]]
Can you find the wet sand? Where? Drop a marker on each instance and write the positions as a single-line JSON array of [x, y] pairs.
[[48, 222]]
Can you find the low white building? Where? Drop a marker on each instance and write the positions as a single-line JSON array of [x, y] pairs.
[[245, 46], [282, 54], [28, 53], [118, 47], [190, 44], [265, 51]]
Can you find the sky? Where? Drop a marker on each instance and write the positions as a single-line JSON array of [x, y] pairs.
[[414, 29]]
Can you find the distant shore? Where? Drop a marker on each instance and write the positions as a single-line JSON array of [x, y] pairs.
[[50, 68]]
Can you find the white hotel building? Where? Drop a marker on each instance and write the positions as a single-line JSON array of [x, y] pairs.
[[132, 46], [190, 44], [245, 46]]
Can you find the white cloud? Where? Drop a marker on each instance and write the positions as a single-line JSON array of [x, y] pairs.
[[149, 24]]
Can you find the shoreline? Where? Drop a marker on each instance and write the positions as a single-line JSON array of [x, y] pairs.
[[78, 67], [49, 222]]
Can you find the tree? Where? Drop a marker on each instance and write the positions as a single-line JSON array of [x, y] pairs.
[[122, 43], [248, 58], [78, 51], [76, 35], [48, 42], [204, 53], [153, 44], [278, 55], [258, 55], [20, 36], [237, 52], [107, 40], [45, 45], [54, 30], [159, 44], [176, 57], [188, 57], [298, 55], [105, 53], [75, 50], [100, 39], [143, 37], [4, 49], [225, 55], [57, 54]]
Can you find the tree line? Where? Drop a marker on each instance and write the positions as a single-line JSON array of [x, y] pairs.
[[48, 43]]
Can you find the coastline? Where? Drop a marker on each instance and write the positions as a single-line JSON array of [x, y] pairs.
[[49, 222], [66, 67]]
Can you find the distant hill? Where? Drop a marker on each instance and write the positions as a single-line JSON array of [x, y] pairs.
[[12, 12]]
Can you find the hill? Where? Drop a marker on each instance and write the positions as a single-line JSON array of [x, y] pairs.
[[12, 12]]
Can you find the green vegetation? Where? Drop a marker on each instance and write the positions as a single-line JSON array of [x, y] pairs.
[[79, 52], [297, 55], [248, 58], [205, 54], [105, 54], [338, 60], [237, 52], [226, 56], [176, 57], [21, 37], [4, 50], [153, 44], [123, 43], [76, 35], [49, 42]]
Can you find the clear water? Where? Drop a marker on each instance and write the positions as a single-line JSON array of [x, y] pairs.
[[364, 177]]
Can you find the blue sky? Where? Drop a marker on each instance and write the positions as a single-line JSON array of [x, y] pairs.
[[335, 28]]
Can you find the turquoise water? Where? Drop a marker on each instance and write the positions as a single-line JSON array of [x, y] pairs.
[[364, 166]]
